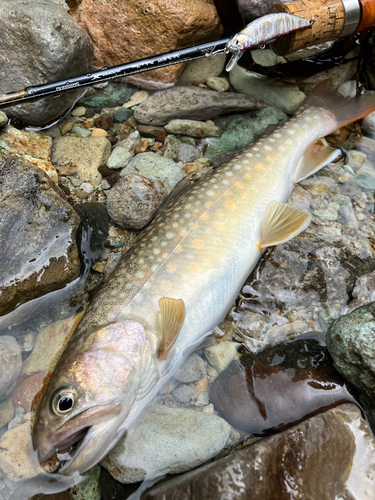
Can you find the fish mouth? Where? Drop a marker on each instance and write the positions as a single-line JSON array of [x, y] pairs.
[[75, 432]]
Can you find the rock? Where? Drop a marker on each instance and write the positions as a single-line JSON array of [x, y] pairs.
[[24, 394], [171, 147], [3, 119], [363, 293], [122, 114], [251, 9], [33, 147], [279, 385], [18, 419], [89, 488], [104, 121], [191, 370], [81, 157], [99, 132], [199, 70], [38, 229], [11, 363], [6, 411], [183, 393], [123, 31], [188, 153], [124, 151], [287, 98], [16, 457], [49, 346], [192, 128], [242, 129], [301, 199], [218, 84], [329, 455], [151, 131], [192, 103], [57, 49], [114, 94], [221, 354], [80, 111], [134, 200], [136, 98], [155, 167], [81, 132], [350, 341], [166, 440]]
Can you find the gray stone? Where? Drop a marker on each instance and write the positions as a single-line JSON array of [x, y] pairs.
[[363, 293], [199, 70], [11, 364], [351, 343], [221, 354], [79, 111], [265, 89], [251, 9], [155, 167], [82, 132], [348, 217], [113, 94], [192, 369], [38, 230], [122, 115], [218, 84], [188, 153], [192, 103], [57, 48], [81, 157], [171, 147], [192, 128], [134, 200], [328, 456], [166, 440], [124, 151], [183, 393], [3, 119]]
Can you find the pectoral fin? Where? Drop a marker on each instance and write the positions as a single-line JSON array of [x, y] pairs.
[[281, 222], [172, 318], [317, 156]]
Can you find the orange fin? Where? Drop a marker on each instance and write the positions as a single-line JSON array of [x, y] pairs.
[[172, 318], [317, 156], [281, 223], [344, 109]]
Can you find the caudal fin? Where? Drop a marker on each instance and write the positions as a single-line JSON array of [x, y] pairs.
[[345, 109]]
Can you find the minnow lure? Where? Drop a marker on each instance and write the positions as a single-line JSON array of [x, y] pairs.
[[262, 31]]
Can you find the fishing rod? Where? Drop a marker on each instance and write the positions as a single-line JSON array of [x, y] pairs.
[[292, 25]]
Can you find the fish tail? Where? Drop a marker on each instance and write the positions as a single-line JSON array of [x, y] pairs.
[[344, 109]]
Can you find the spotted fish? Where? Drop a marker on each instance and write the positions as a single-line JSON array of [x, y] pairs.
[[179, 280]]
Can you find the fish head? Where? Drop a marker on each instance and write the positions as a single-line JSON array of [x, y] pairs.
[[91, 393]]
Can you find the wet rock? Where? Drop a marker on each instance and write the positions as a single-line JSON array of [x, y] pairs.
[[183, 393], [221, 354], [57, 49], [350, 341], [242, 129], [124, 31], [104, 122], [251, 9], [38, 229], [192, 128], [33, 147], [287, 98], [191, 370], [79, 111], [166, 440], [155, 167], [134, 200], [114, 94], [81, 132], [11, 364], [136, 99], [99, 132], [199, 70], [49, 346], [81, 157], [3, 119], [192, 103], [89, 488], [122, 115], [6, 411], [363, 293], [278, 386], [327, 456], [150, 131], [218, 84], [124, 151], [301, 199], [188, 153], [171, 147]]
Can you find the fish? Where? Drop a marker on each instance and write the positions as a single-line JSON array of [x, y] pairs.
[[175, 285]]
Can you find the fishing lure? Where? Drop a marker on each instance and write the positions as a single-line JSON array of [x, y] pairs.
[[262, 31]]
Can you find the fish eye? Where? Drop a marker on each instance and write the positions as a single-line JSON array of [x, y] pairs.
[[63, 400]]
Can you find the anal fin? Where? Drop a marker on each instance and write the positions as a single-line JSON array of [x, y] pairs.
[[317, 156], [172, 318], [281, 223]]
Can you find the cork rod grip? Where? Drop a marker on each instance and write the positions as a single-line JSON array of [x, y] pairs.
[[367, 14], [329, 21]]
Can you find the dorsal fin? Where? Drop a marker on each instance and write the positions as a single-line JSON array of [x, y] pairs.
[[316, 156], [281, 223], [172, 318]]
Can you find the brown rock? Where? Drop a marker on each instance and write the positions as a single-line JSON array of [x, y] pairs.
[[123, 30], [150, 131], [328, 456], [104, 121], [141, 146]]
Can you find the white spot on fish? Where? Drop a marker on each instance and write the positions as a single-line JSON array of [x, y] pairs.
[[187, 215], [278, 135], [175, 224], [170, 235], [229, 174], [271, 139], [164, 243], [290, 131], [307, 110], [268, 148], [258, 155], [237, 167], [255, 149], [156, 251], [140, 275], [249, 155], [210, 192]]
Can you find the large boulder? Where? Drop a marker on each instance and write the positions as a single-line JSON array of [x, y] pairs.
[[124, 30], [38, 251], [40, 43]]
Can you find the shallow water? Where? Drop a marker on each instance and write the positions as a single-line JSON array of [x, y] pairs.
[[295, 288]]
